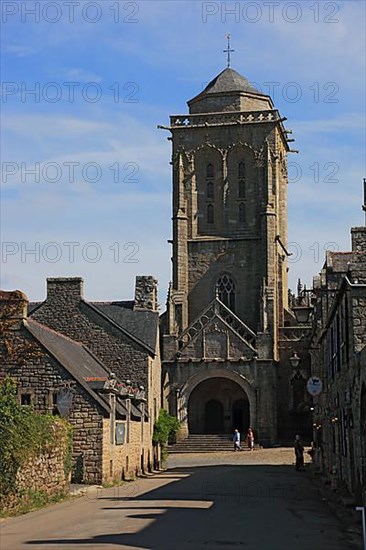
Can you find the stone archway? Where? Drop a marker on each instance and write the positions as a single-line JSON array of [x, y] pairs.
[[216, 402]]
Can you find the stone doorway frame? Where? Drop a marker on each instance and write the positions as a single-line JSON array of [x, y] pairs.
[[184, 394]]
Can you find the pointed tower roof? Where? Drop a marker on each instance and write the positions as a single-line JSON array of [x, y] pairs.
[[229, 81], [229, 91]]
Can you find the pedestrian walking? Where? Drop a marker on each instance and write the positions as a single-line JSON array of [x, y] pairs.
[[250, 438], [299, 454], [236, 440]]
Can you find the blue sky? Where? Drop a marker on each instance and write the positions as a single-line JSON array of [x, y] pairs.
[[106, 73]]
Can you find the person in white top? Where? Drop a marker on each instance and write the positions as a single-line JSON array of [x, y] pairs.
[[236, 440]]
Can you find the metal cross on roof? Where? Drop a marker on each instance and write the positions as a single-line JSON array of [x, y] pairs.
[[228, 50]]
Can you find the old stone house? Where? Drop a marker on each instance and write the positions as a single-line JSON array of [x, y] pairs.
[[338, 350], [99, 365], [227, 309]]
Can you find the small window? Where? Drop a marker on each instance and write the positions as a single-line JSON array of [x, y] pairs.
[[210, 190], [210, 171], [241, 189], [210, 214], [26, 399], [241, 169], [120, 433], [242, 213]]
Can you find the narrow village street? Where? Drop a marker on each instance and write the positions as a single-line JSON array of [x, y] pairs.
[[255, 501]]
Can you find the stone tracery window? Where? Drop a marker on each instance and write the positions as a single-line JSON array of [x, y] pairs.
[[226, 291]]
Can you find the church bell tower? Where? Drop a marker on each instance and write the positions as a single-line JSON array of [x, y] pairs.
[[228, 294]]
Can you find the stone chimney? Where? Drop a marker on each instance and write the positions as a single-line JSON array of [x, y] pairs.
[[13, 307], [146, 293], [358, 265], [67, 290], [358, 235]]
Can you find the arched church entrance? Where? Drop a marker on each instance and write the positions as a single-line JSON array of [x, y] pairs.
[[214, 417], [218, 405]]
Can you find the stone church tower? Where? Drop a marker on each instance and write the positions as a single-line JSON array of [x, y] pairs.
[[228, 295]]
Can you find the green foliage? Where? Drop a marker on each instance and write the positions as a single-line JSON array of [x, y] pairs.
[[31, 500], [166, 428], [23, 434]]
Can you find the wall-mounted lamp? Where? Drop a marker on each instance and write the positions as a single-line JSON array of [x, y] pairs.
[[294, 360]]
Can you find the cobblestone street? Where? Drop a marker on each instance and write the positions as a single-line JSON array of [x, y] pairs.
[[255, 501]]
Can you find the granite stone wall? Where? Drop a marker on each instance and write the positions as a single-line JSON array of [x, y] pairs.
[[65, 311]]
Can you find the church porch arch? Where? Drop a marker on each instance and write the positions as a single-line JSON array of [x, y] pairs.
[[232, 391]]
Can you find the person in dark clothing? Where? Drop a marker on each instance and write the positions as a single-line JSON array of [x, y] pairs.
[[299, 453]]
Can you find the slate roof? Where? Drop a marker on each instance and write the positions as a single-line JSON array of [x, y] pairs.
[[80, 362], [76, 358], [227, 81], [142, 324], [32, 306]]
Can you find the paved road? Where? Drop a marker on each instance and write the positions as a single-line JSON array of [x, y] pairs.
[[222, 502]]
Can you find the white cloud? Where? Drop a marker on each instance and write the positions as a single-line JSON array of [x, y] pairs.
[[18, 50]]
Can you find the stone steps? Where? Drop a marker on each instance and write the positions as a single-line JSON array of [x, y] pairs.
[[205, 443]]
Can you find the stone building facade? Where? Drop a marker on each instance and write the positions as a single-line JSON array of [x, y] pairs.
[[228, 300], [95, 364], [338, 350]]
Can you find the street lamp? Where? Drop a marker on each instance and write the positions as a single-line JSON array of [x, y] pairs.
[[295, 360], [302, 313]]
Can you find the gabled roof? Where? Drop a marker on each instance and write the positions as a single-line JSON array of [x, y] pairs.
[[76, 358], [139, 325], [80, 362], [143, 324], [216, 309]]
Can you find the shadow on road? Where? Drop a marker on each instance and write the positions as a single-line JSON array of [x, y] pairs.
[[227, 507]]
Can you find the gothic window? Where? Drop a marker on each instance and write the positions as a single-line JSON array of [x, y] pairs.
[[241, 213], [241, 189], [210, 190], [226, 291], [241, 169], [210, 213], [210, 172]]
